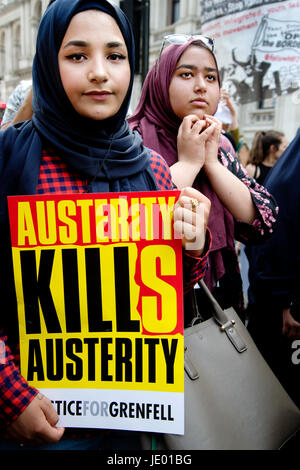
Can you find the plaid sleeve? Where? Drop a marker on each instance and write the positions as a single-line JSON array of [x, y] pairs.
[[194, 268], [162, 172], [56, 178], [15, 393]]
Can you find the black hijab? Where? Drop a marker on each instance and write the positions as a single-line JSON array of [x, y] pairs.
[[106, 152]]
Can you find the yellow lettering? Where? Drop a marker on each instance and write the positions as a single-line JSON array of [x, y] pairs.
[[25, 224], [166, 211], [67, 234], [46, 226], [119, 219], [148, 203], [85, 205], [101, 220], [135, 219]]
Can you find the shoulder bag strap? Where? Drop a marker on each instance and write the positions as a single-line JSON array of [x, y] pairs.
[[221, 318]]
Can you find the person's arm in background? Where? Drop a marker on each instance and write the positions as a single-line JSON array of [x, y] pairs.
[[243, 153], [290, 326], [18, 110], [234, 126]]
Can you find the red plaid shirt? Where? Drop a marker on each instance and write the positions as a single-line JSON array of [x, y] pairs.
[[55, 177]]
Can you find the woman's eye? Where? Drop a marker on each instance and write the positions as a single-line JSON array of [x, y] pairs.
[[116, 57], [186, 74], [211, 78], [76, 57]]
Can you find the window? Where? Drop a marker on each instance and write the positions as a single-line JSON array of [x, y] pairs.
[[2, 54], [175, 11]]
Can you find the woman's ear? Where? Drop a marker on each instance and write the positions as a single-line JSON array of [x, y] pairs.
[[273, 148]]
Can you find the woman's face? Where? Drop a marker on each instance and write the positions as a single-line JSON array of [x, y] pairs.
[[194, 87], [282, 147], [94, 66]]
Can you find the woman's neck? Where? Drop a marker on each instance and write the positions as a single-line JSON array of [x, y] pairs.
[[270, 160]]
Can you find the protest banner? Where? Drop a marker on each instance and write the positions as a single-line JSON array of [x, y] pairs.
[[257, 46], [98, 281]]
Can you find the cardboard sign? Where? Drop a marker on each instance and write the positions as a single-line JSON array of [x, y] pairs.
[[99, 289]]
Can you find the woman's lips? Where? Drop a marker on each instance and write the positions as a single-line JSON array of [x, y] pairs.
[[200, 103], [98, 95]]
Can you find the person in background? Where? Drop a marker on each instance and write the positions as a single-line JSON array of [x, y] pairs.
[[266, 148], [19, 104], [274, 276], [242, 151], [227, 114], [179, 99]]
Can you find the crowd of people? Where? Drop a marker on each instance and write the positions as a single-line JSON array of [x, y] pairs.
[[174, 139]]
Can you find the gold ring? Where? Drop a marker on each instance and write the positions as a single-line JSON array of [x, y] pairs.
[[195, 203]]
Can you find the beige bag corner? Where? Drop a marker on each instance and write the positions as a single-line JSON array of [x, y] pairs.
[[233, 401]]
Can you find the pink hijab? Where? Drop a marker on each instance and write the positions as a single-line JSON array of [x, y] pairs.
[[155, 120]]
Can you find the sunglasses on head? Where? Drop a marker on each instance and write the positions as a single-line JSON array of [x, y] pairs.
[[183, 39]]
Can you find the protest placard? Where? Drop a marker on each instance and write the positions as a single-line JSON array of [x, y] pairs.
[[98, 281]]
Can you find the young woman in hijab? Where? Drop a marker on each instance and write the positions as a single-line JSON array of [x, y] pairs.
[[179, 98], [77, 141]]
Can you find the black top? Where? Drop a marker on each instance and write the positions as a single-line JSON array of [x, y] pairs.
[[264, 170]]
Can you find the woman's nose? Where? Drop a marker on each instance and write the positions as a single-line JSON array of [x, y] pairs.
[[98, 71], [200, 83]]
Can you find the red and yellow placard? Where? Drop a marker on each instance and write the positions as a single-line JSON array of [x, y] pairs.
[[99, 289]]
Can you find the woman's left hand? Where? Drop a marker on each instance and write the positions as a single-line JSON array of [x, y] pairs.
[[191, 214], [212, 143]]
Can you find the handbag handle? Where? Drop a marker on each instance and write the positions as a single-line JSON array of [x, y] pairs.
[[226, 325], [219, 314], [221, 318]]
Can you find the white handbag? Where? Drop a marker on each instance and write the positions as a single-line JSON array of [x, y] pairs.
[[232, 399]]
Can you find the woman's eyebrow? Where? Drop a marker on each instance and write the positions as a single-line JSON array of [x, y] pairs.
[[79, 43], [186, 66], [194, 67], [115, 44]]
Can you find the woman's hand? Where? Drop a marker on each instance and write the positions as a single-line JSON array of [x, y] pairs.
[[290, 327], [212, 143], [191, 214], [37, 424], [225, 98], [191, 141], [196, 138]]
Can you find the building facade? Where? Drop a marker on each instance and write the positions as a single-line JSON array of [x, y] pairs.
[[19, 20]]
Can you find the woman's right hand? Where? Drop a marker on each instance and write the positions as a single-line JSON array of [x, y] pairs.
[[190, 221]]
